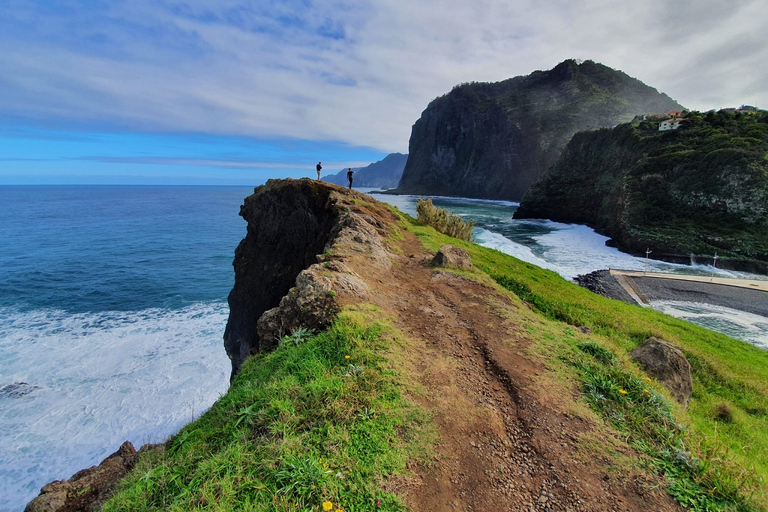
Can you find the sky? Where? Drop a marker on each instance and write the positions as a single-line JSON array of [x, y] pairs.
[[235, 92]]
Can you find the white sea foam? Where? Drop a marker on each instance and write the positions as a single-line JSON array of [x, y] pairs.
[[95, 380], [502, 244], [737, 324]]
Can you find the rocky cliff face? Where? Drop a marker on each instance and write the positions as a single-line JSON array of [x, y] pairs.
[[694, 192], [492, 140], [284, 278]]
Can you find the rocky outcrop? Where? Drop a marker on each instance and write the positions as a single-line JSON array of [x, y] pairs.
[[603, 283], [290, 269], [686, 194], [492, 140], [452, 257], [88, 488], [666, 363]]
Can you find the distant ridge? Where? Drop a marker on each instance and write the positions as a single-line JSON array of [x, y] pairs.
[[385, 173], [492, 140]]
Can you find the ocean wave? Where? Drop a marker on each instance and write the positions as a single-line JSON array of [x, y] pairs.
[[94, 380]]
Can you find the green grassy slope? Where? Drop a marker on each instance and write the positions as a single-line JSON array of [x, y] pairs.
[[325, 419]]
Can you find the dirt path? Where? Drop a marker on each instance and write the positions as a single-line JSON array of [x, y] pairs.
[[505, 442]]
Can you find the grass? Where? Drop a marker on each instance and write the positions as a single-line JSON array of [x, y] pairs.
[[444, 221], [322, 419], [724, 432]]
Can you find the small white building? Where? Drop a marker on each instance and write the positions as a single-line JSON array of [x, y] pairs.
[[670, 124]]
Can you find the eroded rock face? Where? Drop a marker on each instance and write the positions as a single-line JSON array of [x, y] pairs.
[[88, 488], [666, 363], [290, 270], [493, 140], [452, 257]]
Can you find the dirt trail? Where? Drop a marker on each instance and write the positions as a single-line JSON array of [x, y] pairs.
[[505, 442]]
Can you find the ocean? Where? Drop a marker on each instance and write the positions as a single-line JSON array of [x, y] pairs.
[[112, 310], [113, 306]]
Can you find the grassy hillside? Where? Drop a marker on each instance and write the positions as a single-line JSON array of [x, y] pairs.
[[327, 420], [701, 189]]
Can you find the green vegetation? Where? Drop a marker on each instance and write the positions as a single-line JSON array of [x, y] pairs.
[[631, 405], [322, 419], [701, 189], [444, 221], [325, 419], [713, 460], [492, 140]]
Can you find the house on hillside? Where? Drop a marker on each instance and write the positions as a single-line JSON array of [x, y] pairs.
[[670, 124]]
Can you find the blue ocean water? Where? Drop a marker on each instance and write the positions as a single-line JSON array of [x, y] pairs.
[[112, 310]]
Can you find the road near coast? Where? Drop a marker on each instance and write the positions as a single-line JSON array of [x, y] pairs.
[[740, 294]]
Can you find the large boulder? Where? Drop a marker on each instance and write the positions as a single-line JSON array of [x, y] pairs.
[[667, 364], [88, 488], [452, 257]]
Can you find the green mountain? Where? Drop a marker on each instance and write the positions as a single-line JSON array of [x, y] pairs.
[[696, 191], [492, 140]]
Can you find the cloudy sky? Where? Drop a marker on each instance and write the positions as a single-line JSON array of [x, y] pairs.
[[235, 91]]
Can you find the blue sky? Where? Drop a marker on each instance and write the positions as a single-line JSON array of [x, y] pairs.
[[236, 92]]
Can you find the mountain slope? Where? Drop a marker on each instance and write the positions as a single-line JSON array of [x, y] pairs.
[[696, 191], [492, 140]]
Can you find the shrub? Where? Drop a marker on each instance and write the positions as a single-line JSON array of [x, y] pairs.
[[444, 221]]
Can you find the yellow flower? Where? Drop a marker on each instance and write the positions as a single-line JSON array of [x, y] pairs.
[[645, 390], [339, 510], [346, 357], [648, 379], [622, 392], [327, 505]]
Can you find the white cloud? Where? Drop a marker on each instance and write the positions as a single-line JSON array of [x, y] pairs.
[[352, 71]]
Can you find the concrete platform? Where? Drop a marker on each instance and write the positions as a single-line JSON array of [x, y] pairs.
[[740, 294]]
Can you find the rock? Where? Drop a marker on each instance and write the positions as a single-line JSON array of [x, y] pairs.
[[290, 270], [452, 257], [87, 489], [309, 304], [666, 363], [493, 140], [17, 390]]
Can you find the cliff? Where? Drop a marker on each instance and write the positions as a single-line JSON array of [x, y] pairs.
[[385, 173], [381, 380], [492, 140], [291, 224], [688, 193]]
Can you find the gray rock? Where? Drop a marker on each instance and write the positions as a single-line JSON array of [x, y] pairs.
[[452, 257], [291, 269], [666, 363]]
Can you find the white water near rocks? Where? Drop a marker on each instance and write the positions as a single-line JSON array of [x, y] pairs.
[[94, 380], [572, 249]]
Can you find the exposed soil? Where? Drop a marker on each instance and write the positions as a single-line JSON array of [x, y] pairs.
[[507, 442]]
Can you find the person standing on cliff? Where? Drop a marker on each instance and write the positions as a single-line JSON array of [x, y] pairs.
[[350, 172], [319, 168]]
